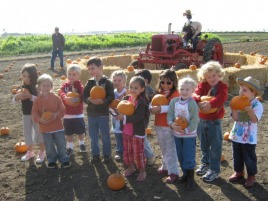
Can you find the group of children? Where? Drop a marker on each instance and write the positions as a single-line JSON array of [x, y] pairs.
[[176, 143]]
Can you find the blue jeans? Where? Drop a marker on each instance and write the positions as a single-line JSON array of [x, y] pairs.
[[185, 148], [54, 55], [245, 154], [55, 145], [147, 148], [210, 135], [99, 126], [119, 143]]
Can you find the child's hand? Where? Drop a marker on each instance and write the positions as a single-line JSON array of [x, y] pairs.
[[120, 117], [155, 109], [206, 106], [46, 121], [23, 96], [96, 101], [176, 128], [248, 108], [71, 101]]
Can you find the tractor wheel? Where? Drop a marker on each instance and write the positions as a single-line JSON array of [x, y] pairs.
[[179, 66], [136, 64], [213, 51]]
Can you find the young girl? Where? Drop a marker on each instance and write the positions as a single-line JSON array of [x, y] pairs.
[[31, 130], [185, 138], [73, 119], [209, 128], [50, 125], [244, 132], [119, 79], [134, 128], [167, 86]]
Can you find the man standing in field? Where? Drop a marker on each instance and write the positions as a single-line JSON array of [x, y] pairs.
[[58, 45]]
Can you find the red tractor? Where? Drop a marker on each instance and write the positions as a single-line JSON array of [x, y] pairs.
[[166, 51]]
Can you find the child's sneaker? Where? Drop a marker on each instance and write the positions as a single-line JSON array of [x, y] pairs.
[[69, 151], [52, 165], [82, 148], [117, 157], [150, 161], [66, 164], [210, 176], [95, 159], [27, 156], [41, 157], [202, 169], [106, 159]]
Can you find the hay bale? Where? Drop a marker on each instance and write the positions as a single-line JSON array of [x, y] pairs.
[[118, 60]]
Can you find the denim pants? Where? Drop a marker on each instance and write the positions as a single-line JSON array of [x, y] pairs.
[[99, 126], [186, 149], [147, 148], [210, 136], [54, 55], [245, 154], [55, 145], [119, 143]]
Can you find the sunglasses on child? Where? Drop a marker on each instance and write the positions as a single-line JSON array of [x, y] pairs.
[[168, 83]]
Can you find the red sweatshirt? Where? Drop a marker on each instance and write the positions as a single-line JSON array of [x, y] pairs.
[[67, 87]]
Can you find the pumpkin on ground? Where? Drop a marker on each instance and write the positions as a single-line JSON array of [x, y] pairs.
[[192, 67], [114, 103], [116, 181], [226, 136], [68, 61], [47, 115], [148, 131], [182, 122], [21, 147], [1, 75], [4, 130], [130, 68], [159, 100], [239, 102], [63, 77], [237, 65], [125, 107], [97, 92]]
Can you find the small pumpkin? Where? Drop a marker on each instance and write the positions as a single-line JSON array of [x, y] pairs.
[[148, 131], [241, 52], [237, 65], [63, 77], [125, 107], [239, 102], [21, 147], [73, 95], [97, 92], [252, 53], [207, 98], [78, 59], [159, 99], [192, 67], [86, 57], [56, 75], [114, 103], [1, 75], [14, 91], [47, 115], [226, 136], [130, 68], [4, 130], [116, 181], [68, 61], [182, 122]]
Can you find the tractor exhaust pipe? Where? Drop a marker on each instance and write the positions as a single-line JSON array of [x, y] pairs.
[[169, 28]]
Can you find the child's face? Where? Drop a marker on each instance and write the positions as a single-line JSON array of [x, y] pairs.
[[26, 78], [135, 89], [212, 78], [94, 70], [45, 87], [166, 84], [245, 91], [119, 82], [186, 91], [73, 76]]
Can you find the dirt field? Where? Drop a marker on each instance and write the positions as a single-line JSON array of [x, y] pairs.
[[86, 181]]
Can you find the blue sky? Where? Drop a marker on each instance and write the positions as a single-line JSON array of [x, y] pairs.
[[36, 16]]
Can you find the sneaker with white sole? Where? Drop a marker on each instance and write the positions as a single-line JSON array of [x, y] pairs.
[[210, 176], [117, 157], [27, 156], [202, 169], [40, 157]]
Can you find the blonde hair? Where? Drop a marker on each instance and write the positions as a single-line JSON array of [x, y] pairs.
[[119, 73], [209, 67], [187, 80], [44, 77], [74, 67]]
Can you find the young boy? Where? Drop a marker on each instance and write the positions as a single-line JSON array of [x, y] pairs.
[[98, 110], [146, 74], [73, 119], [209, 128], [244, 132]]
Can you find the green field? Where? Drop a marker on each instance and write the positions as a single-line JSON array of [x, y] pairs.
[[34, 44]]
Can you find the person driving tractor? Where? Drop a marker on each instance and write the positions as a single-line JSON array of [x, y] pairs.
[[191, 30]]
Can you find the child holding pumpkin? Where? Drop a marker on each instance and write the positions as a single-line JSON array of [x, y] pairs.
[[167, 86], [98, 109], [244, 131], [211, 112], [182, 117], [71, 93], [31, 130], [48, 110], [134, 128]]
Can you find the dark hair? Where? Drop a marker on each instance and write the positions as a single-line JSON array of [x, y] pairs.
[[146, 74], [32, 70], [170, 75], [189, 17], [141, 82], [95, 60]]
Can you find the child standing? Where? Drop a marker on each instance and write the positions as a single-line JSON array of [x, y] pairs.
[[209, 129], [134, 128], [73, 119], [185, 138], [31, 130], [244, 132], [98, 110], [167, 86], [146, 74], [119, 79], [51, 126]]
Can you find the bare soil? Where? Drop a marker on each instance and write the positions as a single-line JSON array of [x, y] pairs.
[[87, 181]]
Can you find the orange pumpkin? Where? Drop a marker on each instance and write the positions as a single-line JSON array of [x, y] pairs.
[[159, 99], [63, 77], [56, 75], [239, 102], [259, 98], [130, 68], [207, 98], [237, 65], [14, 91], [241, 52], [4, 130], [192, 67], [47, 115], [21, 147], [116, 181], [78, 59], [222, 157], [148, 131], [73, 95], [1, 75], [252, 53], [262, 62], [114, 103], [97, 92], [125, 107], [182, 122], [226, 136], [86, 57], [68, 61]]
